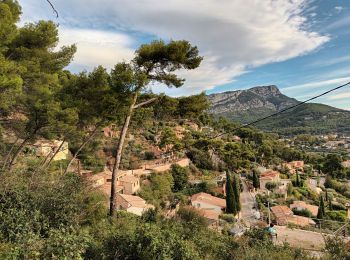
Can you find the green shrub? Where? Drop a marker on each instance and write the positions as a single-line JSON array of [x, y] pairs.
[[230, 218]]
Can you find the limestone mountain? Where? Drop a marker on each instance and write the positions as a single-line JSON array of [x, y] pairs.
[[248, 105]]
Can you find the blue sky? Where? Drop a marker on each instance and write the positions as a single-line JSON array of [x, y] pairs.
[[302, 46]]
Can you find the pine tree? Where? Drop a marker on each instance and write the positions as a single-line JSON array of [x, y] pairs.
[[230, 199], [236, 192], [321, 210], [256, 182]]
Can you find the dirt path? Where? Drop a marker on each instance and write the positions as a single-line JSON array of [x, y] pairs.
[[300, 238]]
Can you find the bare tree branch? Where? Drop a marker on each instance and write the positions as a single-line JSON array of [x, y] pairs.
[[144, 103], [53, 8]]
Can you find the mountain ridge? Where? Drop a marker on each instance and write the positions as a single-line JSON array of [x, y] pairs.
[[250, 104]]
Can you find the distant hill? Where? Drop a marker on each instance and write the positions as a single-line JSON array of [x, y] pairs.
[[248, 105]]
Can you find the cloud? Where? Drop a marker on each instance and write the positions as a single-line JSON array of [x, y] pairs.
[[340, 96], [329, 62], [96, 47], [343, 22], [339, 8], [317, 84], [233, 36]]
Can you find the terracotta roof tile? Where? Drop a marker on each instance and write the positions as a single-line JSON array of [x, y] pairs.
[[302, 204], [209, 199]]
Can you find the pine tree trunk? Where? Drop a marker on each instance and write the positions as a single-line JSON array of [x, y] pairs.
[[9, 154], [54, 154], [80, 148], [118, 157], [17, 153]]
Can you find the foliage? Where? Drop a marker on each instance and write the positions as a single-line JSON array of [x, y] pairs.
[[332, 165], [230, 196], [180, 177], [336, 248], [256, 181], [303, 212], [159, 189], [321, 209], [271, 186]]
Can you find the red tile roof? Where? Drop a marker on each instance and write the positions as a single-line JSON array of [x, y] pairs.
[[302, 204], [209, 199], [271, 174]]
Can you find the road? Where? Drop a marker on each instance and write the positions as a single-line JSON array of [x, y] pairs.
[[248, 214], [295, 237]]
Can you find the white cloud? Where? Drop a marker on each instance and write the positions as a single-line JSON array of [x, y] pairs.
[[328, 62], [343, 22], [340, 96], [317, 84], [339, 8], [233, 36], [97, 47]]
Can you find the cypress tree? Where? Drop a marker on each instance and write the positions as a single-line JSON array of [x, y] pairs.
[[236, 192], [256, 182], [321, 210], [230, 200], [330, 205], [298, 182]]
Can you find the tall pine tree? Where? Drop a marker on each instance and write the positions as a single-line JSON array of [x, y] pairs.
[[230, 197]]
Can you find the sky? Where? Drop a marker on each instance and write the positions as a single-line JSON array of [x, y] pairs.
[[301, 46]]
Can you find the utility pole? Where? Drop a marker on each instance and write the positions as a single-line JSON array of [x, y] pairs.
[[268, 206]]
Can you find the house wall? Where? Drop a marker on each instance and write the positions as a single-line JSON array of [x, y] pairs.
[[121, 203], [98, 182], [136, 210], [63, 153], [166, 167], [202, 205], [130, 188]]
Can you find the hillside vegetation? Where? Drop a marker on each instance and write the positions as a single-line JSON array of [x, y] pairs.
[[246, 106], [52, 209]]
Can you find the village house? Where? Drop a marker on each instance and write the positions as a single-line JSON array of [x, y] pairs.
[[284, 215], [210, 207], [269, 176], [294, 166], [132, 204], [130, 183], [205, 201], [126, 183], [211, 216], [44, 148], [302, 205]]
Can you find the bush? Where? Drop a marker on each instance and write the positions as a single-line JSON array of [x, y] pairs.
[[149, 155], [337, 215], [338, 206], [302, 212], [230, 218], [271, 186]]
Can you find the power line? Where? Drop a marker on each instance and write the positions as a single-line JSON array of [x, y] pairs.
[[263, 118], [289, 108], [256, 121]]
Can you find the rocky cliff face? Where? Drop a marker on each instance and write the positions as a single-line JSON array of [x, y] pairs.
[[257, 99]]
